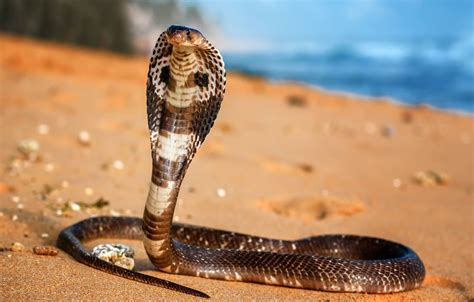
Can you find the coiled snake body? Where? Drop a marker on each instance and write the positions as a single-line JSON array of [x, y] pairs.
[[186, 84]]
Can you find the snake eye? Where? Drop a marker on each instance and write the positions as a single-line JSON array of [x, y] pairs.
[[188, 33]]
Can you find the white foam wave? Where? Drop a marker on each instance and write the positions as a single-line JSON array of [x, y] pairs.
[[433, 51]]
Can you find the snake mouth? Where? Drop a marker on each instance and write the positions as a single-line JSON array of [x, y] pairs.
[[184, 36]]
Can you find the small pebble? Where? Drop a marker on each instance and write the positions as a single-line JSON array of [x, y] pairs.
[[430, 178], [114, 213], [296, 100], [388, 131], [43, 129], [16, 199], [221, 192], [118, 165], [17, 247], [59, 212], [306, 168], [65, 184], [15, 217], [20, 206], [397, 183], [45, 250], [28, 147], [1, 214], [74, 206], [49, 167], [44, 235], [84, 138], [89, 191]]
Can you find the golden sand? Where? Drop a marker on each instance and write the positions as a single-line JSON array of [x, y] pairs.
[[283, 161]]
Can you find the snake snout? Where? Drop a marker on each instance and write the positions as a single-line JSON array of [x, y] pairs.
[[183, 36]]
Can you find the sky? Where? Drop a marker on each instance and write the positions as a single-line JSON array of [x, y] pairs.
[[268, 23]]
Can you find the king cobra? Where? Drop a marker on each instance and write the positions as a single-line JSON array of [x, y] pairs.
[[185, 88]]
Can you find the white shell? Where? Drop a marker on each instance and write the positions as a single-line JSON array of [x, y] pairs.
[[117, 254]]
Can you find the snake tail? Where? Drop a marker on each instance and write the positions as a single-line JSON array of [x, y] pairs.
[[71, 238]]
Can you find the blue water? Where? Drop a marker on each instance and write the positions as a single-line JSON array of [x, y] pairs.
[[435, 72]]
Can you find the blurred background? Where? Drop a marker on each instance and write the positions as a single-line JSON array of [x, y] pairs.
[[416, 52]]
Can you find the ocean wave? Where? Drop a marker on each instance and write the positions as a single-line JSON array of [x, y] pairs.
[[439, 73], [434, 51]]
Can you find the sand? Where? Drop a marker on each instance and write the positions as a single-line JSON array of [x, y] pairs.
[[283, 160]]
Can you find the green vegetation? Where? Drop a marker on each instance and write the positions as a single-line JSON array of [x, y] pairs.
[[107, 24]]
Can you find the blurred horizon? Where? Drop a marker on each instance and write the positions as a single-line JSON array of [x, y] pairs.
[[264, 24], [416, 52]]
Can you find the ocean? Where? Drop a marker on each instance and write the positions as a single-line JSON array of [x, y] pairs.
[[436, 72]]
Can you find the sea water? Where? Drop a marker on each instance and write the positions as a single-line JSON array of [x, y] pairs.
[[437, 72]]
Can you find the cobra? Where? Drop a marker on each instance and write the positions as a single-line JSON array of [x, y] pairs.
[[185, 88]]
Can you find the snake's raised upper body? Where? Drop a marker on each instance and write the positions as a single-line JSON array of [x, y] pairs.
[[185, 88], [186, 84]]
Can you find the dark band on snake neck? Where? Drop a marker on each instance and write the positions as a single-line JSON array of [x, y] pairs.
[[185, 88]]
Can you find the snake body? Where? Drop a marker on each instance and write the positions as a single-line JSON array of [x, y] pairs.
[[185, 88]]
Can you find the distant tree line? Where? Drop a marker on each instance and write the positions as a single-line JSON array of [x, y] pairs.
[[93, 23]]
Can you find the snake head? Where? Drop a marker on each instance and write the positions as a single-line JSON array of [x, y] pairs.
[[184, 36]]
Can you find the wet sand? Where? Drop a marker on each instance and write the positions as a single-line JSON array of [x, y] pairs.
[[283, 160]]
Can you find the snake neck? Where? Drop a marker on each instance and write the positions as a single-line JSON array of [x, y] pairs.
[[170, 155]]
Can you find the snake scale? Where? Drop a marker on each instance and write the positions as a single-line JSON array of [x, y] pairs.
[[185, 88]]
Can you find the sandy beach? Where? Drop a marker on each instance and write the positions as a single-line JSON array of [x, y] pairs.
[[283, 160]]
